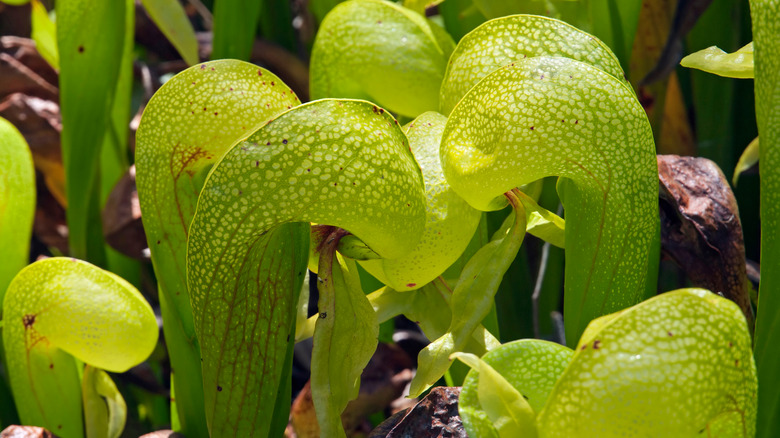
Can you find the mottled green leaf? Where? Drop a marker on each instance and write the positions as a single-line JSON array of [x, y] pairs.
[[766, 28], [714, 60], [44, 33], [365, 49], [472, 300], [344, 341], [105, 411], [748, 159], [60, 307], [505, 407], [505, 40], [530, 366], [186, 127], [170, 17], [17, 202], [343, 163], [450, 221], [557, 116], [679, 364]]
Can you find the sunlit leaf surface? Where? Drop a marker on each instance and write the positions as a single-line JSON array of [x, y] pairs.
[[57, 309], [714, 60], [338, 162], [679, 364], [365, 49]]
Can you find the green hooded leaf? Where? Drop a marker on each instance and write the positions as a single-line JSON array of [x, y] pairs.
[[365, 49], [186, 127], [679, 364], [57, 309], [342, 163], [505, 40], [714, 60], [450, 221], [557, 116]]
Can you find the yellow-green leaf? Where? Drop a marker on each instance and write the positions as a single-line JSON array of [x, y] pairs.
[[365, 49], [450, 221], [529, 366], [472, 300], [105, 411], [543, 116], [170, 17], [748, 159], [17, 202], [344, 341], [505, 40], [57, 309], [714, 60], [44, 33], [679, 364], [186, 127], [507, 409]]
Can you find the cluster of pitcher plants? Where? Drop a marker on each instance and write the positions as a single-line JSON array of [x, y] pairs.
[[408, 140]]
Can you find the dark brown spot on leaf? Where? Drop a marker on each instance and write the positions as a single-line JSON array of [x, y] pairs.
[[219, 388], [596, 344], [323, 315], [28, 320], [81, 49]]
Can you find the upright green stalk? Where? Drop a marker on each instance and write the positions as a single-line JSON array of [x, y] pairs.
[[90, 37], [766, 44]]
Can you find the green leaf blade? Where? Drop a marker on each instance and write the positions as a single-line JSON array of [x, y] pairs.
[[170, 17], [365, 48], [506, 408], [90, 39], [557, 116], [344, 341], [17, 203], [105, 411]]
